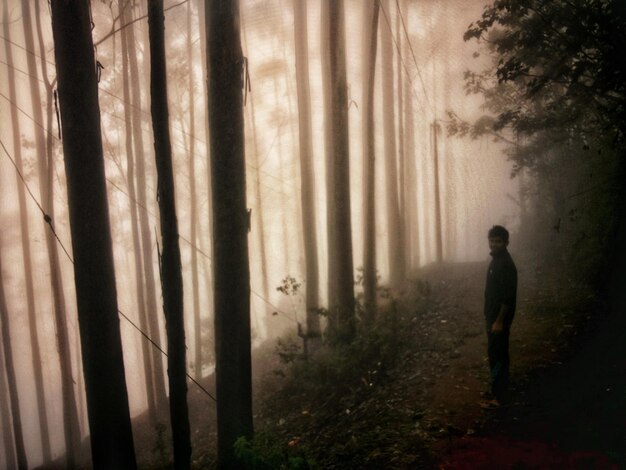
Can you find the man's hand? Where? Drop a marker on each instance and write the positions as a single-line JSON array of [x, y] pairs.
[[496, 327]]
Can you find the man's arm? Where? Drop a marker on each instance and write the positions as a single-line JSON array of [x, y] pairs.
[[498, 325]]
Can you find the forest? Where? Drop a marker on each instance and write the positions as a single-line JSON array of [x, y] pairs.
[[253, 233]]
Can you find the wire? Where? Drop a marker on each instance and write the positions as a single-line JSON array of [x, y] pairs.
[[48, 220], [408, 41], [127, 195], [404, 64], [146, 113]]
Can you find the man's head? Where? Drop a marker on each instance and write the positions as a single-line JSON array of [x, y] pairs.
[[498, 239]]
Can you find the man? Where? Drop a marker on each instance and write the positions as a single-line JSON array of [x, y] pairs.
[[500, 298]]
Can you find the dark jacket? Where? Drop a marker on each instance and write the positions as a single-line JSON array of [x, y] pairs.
[[501, 288]]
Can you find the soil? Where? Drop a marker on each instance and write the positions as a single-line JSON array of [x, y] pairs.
[[418, 404]]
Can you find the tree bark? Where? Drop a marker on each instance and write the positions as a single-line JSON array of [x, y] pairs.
[[230, 230], [26, 251], [103, 363], [341, 275], [410, 185], [370, 17], [5, 415], [258, 215], [438, 229], [18, 435], [193, 222], [394, 238], [171, 274], [307, 176]]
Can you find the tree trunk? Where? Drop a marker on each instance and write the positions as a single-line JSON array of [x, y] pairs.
[[332, 260], [259, 217], [103, 363], [341, 275], [45, 164], [22, 462], [130, 178], [193, 223], [307, 176], [26, 252], [230, 231], [171, 274], [394, 232], [208, 265], [370, 17], [5, 414], [438, 230], [410, 184], [146, 239]]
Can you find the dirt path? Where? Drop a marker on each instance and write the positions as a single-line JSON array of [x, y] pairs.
[[568, 381]]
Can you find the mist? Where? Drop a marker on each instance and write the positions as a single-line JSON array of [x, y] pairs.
[[450, 185]]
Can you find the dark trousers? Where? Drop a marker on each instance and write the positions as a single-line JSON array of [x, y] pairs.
[[498, 352]]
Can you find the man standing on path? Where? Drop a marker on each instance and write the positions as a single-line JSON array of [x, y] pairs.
[[500, 298]]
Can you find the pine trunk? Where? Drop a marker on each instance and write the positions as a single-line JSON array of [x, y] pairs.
[[130, 179], [26, 252], [144, 226], [5, 415], [193, 222], [307, 176], [410, 185], [45, 166], [341, 304], [370, 15], [230, 231], [258, 215], [5, 325], [103, 363], [394, 239], [171, 273]]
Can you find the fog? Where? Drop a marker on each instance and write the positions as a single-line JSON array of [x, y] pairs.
[[476, 188]]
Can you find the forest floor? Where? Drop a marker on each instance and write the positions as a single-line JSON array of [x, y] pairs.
[[410, 398]]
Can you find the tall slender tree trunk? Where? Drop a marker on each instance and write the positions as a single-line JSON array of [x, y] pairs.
[[208, 266], [26, 252], [331, 255], [45, 165], [5, 325], [410, 176], [103, 363], [438, 230], [171, 272], [400, 100], [341, 271], [144, 225], [259, 214], [307, 175], [370, 20], [451, 171], [394, 232], [281, 174], [230, 231], [5, 414], [298, 260], [193, 222], [130, 178]]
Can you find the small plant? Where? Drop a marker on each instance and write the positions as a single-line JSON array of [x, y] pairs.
[[159, 449], [288, 351], [266, 452], [290, 287]]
